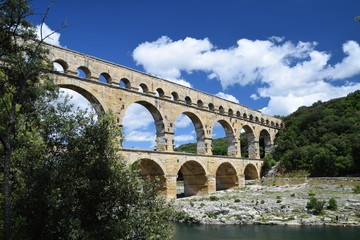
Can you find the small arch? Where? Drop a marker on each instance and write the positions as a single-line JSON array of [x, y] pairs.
[[188, 100], [277, 125], [262, 120], [60, 65], [231, 112], [105, 78], [143, 88], [282, 125], [200, 104], [125, 83], [194, 176], [174, 96], [221, 110], [244, 116], [149, 170], [238, 114], [272, 123], [211, 107], [226, 177], [267, 122], [251, 117], [83, 72], [160, 92], [250, 172]]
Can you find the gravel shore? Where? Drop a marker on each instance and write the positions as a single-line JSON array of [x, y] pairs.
[[261, 203]]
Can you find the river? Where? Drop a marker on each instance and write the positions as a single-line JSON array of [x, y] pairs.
[[264, 232]]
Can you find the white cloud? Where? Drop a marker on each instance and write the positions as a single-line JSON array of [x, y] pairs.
[[290, 74], [48, 35], [137, 117], [184, 138], [140, 136], [227, 97], [182, 121]]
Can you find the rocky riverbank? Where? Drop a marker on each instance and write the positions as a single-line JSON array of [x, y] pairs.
[[268, 202]]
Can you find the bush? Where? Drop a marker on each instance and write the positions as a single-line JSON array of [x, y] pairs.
[[237, 200], [262, 201], [311, 194], [356, 189], [332, 204], [278, 201], [214, 198], [292, 195], [316, 206]]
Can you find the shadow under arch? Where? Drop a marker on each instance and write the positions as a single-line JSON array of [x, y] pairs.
[[249, 143], [264, 143], [226, 177], [195, 179], [161, 143], [95, 103], [200, 133], [250, 172], [230, 137], [149, 170]]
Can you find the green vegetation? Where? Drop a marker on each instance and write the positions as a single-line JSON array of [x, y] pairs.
[[332, 204], [356, 189], [214, 198], [62, 166], [316, 206], [323, 139]]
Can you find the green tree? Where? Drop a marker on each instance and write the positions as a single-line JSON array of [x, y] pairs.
[[76, 186], [22, 82]]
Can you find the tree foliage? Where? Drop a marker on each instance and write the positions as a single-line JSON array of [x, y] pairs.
[[323, 139]]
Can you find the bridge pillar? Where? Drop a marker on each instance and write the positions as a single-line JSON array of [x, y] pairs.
[[241, 180], [254, 147], [170, 181], [205, 147], [211, 183]]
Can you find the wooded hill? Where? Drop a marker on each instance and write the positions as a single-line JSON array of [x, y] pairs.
[[323, 139]]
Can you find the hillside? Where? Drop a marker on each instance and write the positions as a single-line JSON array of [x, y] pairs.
[[323, 139]]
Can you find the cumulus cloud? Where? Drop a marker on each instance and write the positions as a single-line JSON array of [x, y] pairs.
[[184, 138], [182, 121], [140, 136], [227, 97], [48, 35], [289, 74], [136, 117]]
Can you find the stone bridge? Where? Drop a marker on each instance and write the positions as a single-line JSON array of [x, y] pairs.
[[112, 87]]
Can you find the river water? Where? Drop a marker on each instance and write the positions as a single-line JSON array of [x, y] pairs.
[[264, 232]]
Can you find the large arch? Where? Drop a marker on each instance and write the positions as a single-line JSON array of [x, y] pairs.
[[199, 130], [159, 124], [249, 144], [264, 143], [230, 137], [226, 177], [86, 94], [195, 179], [251, 172], [149, 170]]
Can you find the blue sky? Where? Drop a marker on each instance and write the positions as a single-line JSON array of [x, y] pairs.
[[269, 55]]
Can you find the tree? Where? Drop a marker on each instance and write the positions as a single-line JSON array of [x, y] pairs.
[[74, 184], [357, 18], [22, 82]]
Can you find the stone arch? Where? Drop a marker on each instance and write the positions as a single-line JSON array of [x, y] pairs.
[[188, 100], [251, 172], [244, 116], [231, 112], [200, 133], [221, 110], [83, 72], [125, 83], [175, 96], [226, 177], [264, 143], [211, 107], [105, 77], [249, 144], [160, 92], [195, 179], [230, 137], [99, 108], [251, 117], [161, 143], [60, 66], [238, 114], [199, 104], [143, 88], [149, 170]]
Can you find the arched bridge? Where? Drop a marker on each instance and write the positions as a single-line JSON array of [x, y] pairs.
[[202, 172]]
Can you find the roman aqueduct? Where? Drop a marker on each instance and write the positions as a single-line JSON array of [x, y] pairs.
[[202, 172]]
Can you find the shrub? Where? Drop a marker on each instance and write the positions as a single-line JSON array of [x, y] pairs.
[[214, 198], [262, 201], [278, 201], [316, 206], [292, 195], [311, 194], [332, 204], [356, 189], [237, 200]]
